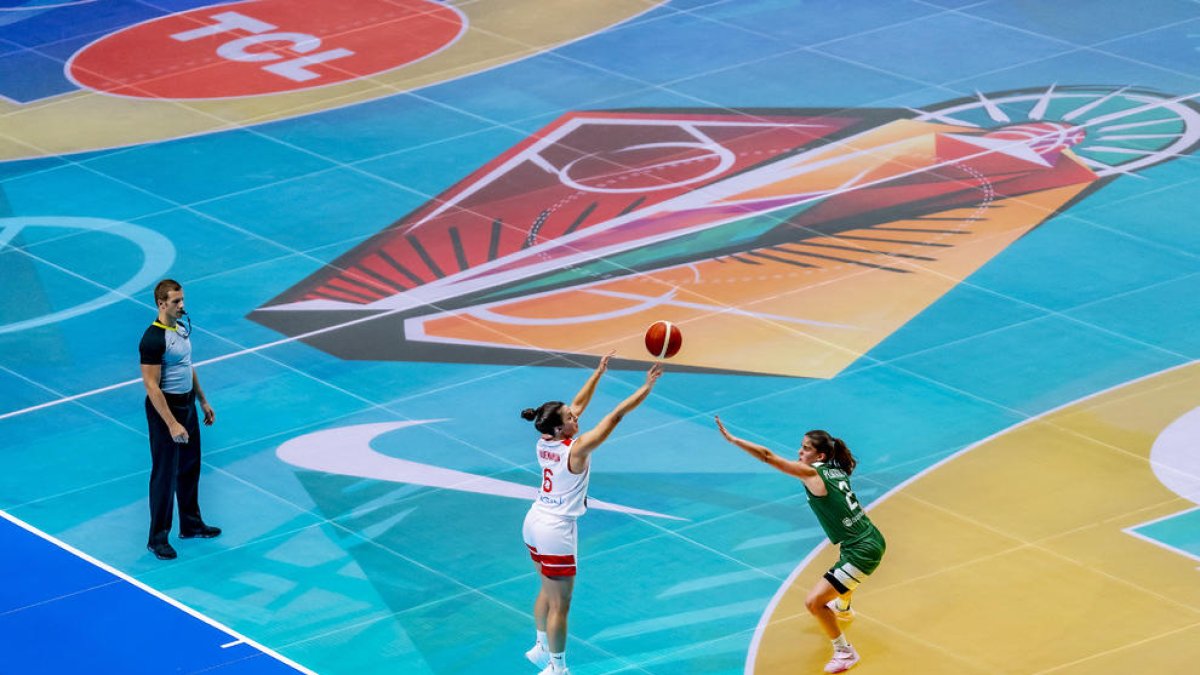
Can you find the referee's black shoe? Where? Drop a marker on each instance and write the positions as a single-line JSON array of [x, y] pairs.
[[162, 551], [202, 532]]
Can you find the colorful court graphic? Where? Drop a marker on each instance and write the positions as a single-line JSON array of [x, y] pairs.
[[604, 222], [958, 234]]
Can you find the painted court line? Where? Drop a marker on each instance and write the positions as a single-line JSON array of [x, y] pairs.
[[768, 611], [240, 639], [125, 383]]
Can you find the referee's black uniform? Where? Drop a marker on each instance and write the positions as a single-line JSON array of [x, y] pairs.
[[175, 467]]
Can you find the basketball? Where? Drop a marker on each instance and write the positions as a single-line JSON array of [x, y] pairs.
[[663, 339]]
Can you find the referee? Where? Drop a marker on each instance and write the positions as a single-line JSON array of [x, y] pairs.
[[172, 388]]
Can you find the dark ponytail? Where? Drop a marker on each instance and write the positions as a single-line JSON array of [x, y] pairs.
[[834, 449], [547, 418]]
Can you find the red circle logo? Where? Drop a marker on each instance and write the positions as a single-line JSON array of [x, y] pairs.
[[264, 47]]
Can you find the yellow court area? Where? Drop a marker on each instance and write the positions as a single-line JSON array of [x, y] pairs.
[[958, 234], [494, 34], [1011, 557]]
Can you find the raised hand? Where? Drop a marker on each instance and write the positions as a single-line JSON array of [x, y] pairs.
[[724, 432], [604, 361], [654, 373]]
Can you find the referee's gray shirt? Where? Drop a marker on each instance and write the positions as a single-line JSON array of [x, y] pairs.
[[162, 346]]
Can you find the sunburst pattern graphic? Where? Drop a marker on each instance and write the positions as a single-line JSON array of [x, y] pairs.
[[785, 242]]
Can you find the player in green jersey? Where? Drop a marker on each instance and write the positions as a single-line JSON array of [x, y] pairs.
[[824, 467]]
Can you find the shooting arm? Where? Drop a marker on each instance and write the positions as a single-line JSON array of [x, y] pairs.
[[584, 397], [587, 443]]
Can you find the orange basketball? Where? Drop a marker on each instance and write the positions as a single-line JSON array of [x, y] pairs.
[[663, 339]]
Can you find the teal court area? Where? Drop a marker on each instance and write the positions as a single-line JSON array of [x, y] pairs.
[[914, 223]]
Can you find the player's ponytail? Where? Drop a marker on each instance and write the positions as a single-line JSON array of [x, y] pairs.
[[834, 449], [842, 457], [547, 418]]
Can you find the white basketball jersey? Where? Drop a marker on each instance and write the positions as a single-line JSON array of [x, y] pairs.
[[561, 493]]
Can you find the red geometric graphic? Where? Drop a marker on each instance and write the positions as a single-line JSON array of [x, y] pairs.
[[787, 242], [583, 170]]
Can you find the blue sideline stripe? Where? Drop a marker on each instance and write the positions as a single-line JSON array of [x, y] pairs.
[[63, 612]]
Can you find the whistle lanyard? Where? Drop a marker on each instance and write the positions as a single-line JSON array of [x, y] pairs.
[[184, 331]]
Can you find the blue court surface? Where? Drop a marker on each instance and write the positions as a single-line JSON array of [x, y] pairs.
[[64, 613], [959, 235]]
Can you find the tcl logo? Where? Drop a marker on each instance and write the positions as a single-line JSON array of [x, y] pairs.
[[264, 47]]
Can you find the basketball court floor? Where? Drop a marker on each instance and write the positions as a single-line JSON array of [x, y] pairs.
[[959, 235]]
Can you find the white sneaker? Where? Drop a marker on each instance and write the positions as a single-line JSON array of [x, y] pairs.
[[844, 615], [843, 660], [551, 670], [538, 656]]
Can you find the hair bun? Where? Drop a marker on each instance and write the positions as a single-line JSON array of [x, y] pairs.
[[529, 414]]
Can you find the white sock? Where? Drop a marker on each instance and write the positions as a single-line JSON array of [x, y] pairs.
[[559, 661], [541, 639], [840, 642], [841, 604]]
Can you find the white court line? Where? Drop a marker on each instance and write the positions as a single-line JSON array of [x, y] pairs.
[[769, 610], [816, 151], [38, 8], [216, 359], [1171, 459], [241, 639], [1161, 544]]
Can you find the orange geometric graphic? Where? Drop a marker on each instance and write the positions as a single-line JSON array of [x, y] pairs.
[[781, 242]]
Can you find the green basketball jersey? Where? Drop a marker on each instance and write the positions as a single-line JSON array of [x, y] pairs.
[[839, 512]]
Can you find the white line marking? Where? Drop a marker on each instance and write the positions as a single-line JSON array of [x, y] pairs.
[[1101, 166], [992, 109], [719, 309], [1160, 544], [1153, 105], [170, 601], [799, 158], [1131, 137], [347, 451], [38, 8], [1166, 517], [764, 621], [1136, 125], [1085, 108], [1119, 150], [924, 114], [1039, 110]]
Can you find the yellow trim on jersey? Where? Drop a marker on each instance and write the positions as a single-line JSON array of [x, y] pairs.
[[163, 325]]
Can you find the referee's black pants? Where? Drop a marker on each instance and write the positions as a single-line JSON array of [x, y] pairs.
[[174, 468]]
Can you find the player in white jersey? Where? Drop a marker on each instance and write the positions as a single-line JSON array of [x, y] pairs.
[[549, 529]]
